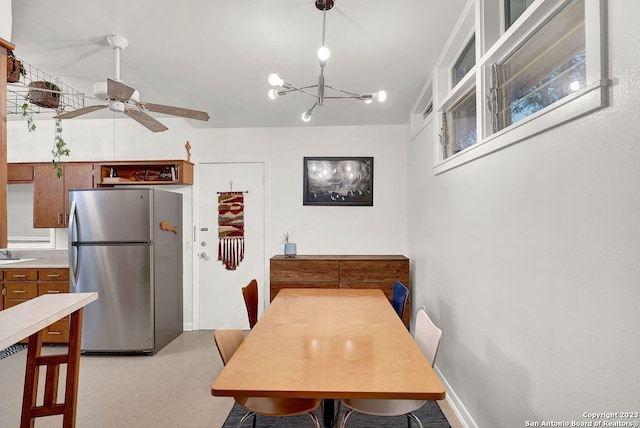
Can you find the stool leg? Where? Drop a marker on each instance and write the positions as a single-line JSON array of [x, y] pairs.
[[31, 380], [73, 370]]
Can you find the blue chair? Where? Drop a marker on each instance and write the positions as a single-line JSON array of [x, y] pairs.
[[399, 299]]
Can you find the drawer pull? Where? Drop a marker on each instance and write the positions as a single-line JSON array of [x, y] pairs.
[[19, 291], [52, 291], [19, 276], [52, 275], [54, 332]]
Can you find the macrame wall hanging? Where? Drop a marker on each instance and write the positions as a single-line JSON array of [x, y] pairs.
[[230, 228]]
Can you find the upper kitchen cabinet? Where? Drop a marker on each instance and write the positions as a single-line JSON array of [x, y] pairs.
[[51, 194], [19, 173]]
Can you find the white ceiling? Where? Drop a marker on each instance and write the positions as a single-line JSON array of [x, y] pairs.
[[215, 55]]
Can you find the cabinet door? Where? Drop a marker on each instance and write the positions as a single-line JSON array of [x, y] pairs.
[[19, 173], [48, 197], [76, 176], [50, 193]]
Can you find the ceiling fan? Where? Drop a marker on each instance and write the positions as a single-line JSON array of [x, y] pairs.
[[125, 99]]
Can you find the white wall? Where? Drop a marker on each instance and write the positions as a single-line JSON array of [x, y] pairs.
[[380, 229], [5, 20], [528, 260], [321, 230]]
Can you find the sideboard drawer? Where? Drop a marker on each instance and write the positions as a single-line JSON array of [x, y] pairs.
[[304, 271]]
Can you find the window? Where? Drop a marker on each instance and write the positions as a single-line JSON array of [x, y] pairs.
[[459, 125], [20, 230], [465, 62], [549, 67], [513, 9], [546, 70], [421, 112]]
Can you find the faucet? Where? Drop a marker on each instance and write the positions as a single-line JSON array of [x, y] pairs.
[[5, 254]]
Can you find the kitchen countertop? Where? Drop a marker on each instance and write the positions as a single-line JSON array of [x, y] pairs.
[[55, 259]]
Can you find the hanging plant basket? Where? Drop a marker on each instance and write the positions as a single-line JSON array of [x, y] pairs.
[[44, 98], [14, 68]]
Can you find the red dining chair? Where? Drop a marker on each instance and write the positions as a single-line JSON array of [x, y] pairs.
[[250, 294]]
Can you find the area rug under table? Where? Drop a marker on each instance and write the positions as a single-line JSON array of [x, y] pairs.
[[13, 349], [430, 415]]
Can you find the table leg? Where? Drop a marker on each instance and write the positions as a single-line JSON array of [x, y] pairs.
[[327, 412]]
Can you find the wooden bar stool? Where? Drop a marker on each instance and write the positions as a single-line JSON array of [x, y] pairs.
[[35, 360]]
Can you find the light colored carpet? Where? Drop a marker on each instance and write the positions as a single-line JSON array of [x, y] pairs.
[[169, 389]]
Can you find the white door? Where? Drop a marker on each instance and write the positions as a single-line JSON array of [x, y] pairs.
[[221, 304]]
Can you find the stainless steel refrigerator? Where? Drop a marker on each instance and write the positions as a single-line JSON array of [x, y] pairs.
[[126, 244]]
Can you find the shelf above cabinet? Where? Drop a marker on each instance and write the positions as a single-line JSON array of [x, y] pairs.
[[144, 173]]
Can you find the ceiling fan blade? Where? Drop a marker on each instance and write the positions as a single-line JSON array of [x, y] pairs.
[[145, 120], [174, 111], [79, 112], [119, 91]]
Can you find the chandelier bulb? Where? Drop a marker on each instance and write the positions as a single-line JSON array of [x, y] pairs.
[[275, 80], [382, 96], [273, 94], [324, 53], [306, 116]]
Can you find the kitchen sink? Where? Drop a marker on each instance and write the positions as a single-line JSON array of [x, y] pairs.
[[6, 262]]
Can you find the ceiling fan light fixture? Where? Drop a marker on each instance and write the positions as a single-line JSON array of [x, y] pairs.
[[117, 106], [125, 99]]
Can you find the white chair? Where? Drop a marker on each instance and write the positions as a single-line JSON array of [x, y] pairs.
[[427, 336], [227, 342]]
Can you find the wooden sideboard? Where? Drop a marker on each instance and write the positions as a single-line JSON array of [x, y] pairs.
[[328, 271]]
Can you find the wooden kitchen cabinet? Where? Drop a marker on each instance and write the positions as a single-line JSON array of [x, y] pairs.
[[51, 194], [54, 281], [326, 271], [19, 173], [20, 285]]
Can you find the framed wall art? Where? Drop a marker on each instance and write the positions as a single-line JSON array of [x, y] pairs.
[[345, 181]]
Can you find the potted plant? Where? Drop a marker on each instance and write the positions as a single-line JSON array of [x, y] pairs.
[[289, 247], [59, 147]]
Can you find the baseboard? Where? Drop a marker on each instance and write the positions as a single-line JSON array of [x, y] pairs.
[[456, 404], [187, 326]]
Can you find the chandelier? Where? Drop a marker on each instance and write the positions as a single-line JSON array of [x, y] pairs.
[[280, 87]]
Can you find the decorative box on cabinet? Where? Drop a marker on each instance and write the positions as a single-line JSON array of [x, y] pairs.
[[144, 172], [325, 271]]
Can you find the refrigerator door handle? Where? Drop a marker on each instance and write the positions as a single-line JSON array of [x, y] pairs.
[[73, 262]]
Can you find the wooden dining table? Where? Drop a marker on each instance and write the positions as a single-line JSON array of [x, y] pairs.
[[329, 344]]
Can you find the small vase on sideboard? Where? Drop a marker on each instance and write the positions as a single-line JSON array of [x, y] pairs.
[[290, 249]]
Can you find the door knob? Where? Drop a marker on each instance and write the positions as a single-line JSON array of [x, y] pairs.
[[204, 256]]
